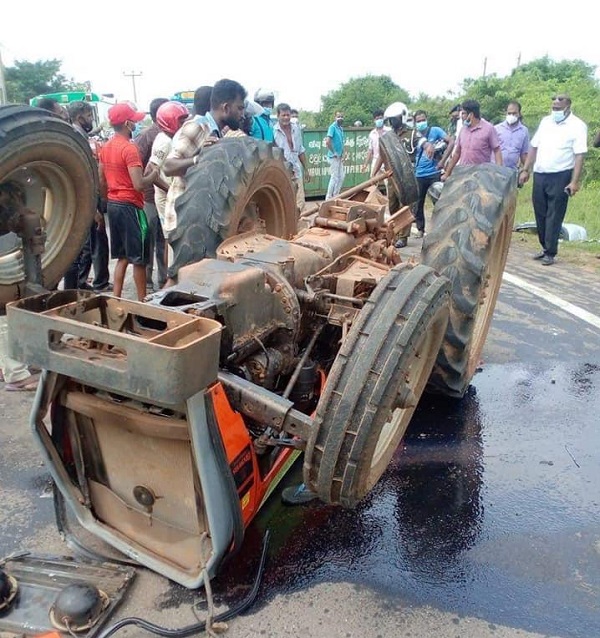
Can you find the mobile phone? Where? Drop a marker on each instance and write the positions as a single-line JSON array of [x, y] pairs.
[[568, 191]]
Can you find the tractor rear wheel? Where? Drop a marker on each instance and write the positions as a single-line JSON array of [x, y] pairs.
[[52, 165], [468, 243], [375, 384], [403, 189], [236, 183]]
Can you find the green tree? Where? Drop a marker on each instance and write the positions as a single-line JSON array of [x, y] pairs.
[[533, 85], [358, 98], [26, 79]]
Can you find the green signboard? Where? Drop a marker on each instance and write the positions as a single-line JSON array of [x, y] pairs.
[[356, 146]]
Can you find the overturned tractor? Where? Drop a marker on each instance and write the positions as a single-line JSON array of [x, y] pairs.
[[167, 424]]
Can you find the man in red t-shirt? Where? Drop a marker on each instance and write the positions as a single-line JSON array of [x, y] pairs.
[[122, 183]]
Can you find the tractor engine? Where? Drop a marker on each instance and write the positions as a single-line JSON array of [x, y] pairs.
[[275, 297]]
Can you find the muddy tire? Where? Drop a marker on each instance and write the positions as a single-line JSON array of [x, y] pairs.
[[468, 243], [54, 166], [403, 185], [375, 384], [235, 182]]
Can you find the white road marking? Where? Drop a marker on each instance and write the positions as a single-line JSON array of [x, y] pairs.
[[576, 311]]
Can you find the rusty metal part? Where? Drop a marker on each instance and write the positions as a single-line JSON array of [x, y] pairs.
[[266, 407], [399, 220], [157, 348], [350, 192]]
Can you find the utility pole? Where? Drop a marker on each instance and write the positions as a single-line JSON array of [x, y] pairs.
[[3, 96], [484, 66], [133, 75]]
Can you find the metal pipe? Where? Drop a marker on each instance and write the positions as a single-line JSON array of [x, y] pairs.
[[303, 358], [351, 191]]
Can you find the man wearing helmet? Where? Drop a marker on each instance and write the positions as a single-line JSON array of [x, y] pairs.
[[156, 238], [169, 118], [262, 129], [396, 116]]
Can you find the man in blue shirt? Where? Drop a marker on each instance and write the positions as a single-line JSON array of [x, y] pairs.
[[262, 128], [335, 152], [427, 158]]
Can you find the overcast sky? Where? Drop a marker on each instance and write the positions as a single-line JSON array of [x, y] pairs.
[[300, 50]]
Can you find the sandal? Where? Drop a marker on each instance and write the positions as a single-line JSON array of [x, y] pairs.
[[25, 385]]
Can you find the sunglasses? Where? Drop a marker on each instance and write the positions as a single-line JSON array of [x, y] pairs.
[[558, 98]]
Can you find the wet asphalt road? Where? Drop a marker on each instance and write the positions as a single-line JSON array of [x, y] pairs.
[[487, 523]]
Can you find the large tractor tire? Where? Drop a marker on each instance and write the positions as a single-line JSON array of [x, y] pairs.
[[375, 384], [52, 164], [403, 189], [468, 243], [236, 182]]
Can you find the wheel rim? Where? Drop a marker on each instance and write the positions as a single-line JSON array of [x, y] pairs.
[[268, 203], [410, 389], [491, 282], [51, 193]]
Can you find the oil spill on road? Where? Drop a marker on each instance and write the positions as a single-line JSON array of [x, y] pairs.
[[490, 508]]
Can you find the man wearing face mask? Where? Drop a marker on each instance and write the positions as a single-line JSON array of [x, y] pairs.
[[335, 151], [372, 158], [477, 141], [514, 137], [122, 183], [556, 155], [427, 157], [262, 129]]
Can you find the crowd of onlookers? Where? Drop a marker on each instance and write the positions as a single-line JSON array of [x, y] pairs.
[[142, 173]]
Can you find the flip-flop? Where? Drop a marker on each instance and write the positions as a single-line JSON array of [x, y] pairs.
[[26, 385]]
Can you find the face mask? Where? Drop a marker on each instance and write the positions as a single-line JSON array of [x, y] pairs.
[[467, 122], [421, 126], [86, 125], [558, 116], [339, 120], [268, 110], [511, 119], [135, 130], [294, 120], [379, 123]]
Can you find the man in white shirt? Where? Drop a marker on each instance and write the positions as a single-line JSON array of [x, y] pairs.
[[556, 155], [288, 137], [372, 159]]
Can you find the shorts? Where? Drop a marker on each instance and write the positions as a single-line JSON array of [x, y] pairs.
[[128, 233]]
